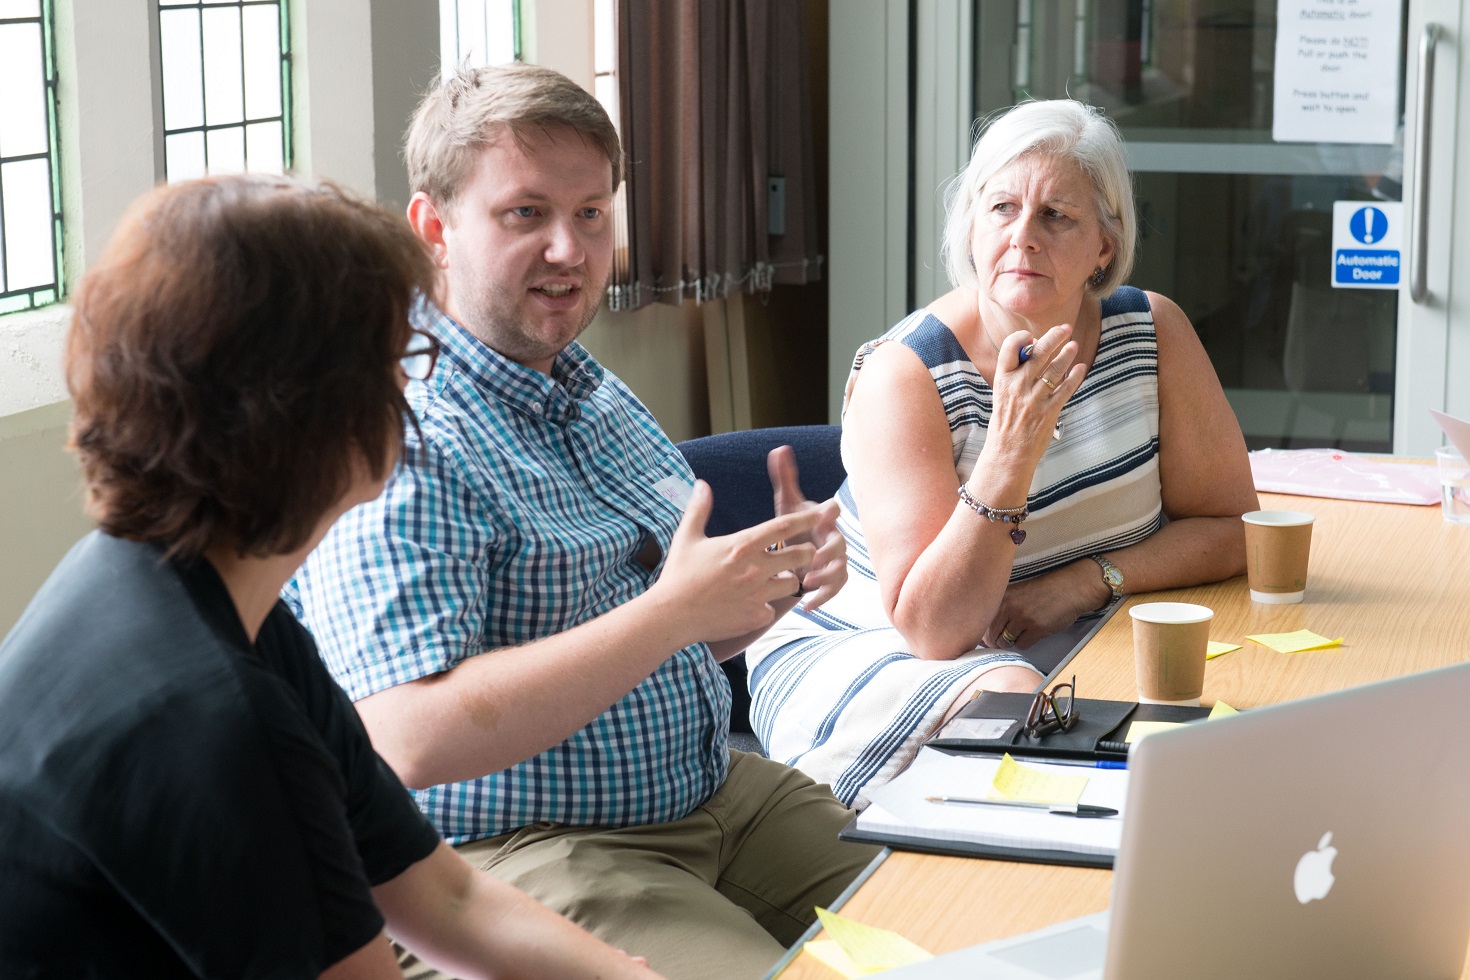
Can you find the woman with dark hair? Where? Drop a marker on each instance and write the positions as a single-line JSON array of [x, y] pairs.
[[184, 791]]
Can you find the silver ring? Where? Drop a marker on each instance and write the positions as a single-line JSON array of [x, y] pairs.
[[1047, 381], [1006, 636]]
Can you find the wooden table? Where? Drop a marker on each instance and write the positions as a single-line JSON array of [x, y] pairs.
[[1393, 581]]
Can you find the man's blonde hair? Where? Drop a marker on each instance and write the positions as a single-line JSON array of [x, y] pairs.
[[462, 115]]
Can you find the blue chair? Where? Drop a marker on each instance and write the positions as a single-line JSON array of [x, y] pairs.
[[734, 465]]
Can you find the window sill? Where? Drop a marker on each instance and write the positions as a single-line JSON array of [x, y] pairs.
[[31, 378]]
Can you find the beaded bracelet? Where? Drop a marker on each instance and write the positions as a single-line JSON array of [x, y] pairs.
[[999, 515]]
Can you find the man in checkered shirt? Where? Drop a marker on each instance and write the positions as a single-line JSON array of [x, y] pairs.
[[530, 618]]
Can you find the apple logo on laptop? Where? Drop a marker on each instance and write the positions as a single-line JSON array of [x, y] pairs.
[[1313, 879]]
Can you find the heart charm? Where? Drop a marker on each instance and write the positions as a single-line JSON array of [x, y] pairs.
[[1018, 535]]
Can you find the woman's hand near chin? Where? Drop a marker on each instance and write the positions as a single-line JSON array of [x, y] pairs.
[[1029, 396]]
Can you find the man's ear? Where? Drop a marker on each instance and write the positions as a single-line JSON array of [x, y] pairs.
[[427, 221]]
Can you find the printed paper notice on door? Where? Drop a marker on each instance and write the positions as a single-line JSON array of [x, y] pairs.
[[1337, 68]]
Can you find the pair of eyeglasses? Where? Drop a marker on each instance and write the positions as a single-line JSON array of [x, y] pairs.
[[1053, 711], [422, 354]]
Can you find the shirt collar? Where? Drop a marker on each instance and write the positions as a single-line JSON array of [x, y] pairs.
[[575, 373]]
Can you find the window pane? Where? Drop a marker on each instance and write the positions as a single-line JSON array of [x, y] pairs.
[[183, 69], [263, 148], [604, 40], [471, 23], [225, 100], [30, 268], [605, 87], [184, 156], [224, 82], [225, 149], [262, 33], [30, 258], [476, 32], [500, 35], [22, 90]]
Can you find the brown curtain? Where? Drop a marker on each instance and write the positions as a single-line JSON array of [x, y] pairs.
[[713, 100]]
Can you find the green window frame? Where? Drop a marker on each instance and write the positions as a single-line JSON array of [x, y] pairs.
[[31, 270], [224, 86]]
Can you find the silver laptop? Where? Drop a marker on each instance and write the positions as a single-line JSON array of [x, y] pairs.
[[1326, 837]]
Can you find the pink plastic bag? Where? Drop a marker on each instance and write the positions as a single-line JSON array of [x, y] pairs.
[[1347, 476]]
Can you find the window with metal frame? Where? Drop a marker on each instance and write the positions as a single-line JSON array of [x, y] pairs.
[[30, 191], [478, 32], [605, 57], [225, 86]]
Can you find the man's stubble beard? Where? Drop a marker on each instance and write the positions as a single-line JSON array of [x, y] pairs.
[[495, 319]]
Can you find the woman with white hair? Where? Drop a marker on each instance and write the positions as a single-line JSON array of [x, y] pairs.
[[1019, 453]]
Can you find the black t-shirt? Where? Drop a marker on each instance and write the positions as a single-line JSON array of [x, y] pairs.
[[174, 800]]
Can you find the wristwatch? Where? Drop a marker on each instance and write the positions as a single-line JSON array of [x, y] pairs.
[[1112, 575]]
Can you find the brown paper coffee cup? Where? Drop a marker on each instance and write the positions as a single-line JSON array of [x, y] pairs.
[[1169, 644], [1277, 546]]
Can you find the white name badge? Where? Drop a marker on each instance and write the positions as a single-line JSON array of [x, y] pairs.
[[984, 729], [675, 490]]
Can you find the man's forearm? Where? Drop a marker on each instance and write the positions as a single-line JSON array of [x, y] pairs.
[[504, 706], [501, 707]]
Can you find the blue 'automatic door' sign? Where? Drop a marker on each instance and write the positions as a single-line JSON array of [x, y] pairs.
[[1367, 243]]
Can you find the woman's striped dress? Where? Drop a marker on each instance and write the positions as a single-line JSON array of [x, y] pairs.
[[835, 692]]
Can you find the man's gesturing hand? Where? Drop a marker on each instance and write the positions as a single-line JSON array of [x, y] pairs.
[[827, 573], [723, 587]]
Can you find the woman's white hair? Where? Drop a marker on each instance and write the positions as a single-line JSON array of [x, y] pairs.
[[1061, 128]]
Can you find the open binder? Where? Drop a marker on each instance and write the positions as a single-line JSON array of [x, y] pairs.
[[987, 727]]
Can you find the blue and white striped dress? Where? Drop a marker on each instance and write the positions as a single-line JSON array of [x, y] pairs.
[[835, 692]]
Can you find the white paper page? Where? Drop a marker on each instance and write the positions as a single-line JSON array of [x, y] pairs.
[[900, 807], [1337, 64], [1458, 431]]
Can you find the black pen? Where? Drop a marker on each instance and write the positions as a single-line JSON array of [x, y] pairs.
[[1060, 809]]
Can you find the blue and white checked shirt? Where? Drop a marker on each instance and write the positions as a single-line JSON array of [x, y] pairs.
[[517, 516]]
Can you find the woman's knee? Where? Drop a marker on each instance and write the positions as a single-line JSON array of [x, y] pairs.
[[1005, 678]]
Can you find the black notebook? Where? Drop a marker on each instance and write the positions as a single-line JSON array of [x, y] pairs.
[[992, 722]]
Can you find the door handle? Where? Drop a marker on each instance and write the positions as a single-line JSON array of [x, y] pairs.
[[1418, 260]]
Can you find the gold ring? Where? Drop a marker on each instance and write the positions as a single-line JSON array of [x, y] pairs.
[[775, 547], [1006, 636], [1047, 381]]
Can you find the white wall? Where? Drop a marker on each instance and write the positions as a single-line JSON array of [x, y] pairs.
[[42, 513], [868, 181], [357, 78], [870, 255]]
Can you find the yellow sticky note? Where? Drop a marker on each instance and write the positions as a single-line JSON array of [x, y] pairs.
[[1141, 729], [1020, 782], [868, 948], [1216, 649], [1220, 710], [832, 955], [1295, 642]]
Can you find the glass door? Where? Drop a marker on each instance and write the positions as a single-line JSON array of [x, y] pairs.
[[1235, 225]]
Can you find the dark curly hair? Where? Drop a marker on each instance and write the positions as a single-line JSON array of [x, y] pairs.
[[233, 358]]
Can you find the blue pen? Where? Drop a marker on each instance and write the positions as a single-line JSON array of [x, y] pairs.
[[1082, 764], [1026, 353]]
